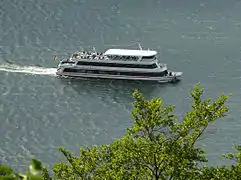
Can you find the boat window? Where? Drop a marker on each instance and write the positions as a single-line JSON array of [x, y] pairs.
[[106, 64], [150, 74], [148, 57], [70, 70], [104, 72], [153, 74], [75, 70], [84, 63], [67, 62]]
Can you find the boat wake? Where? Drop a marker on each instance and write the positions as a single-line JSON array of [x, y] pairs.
[[38, 70]]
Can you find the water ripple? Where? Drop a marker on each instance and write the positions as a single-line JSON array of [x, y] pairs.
[[39, 113]]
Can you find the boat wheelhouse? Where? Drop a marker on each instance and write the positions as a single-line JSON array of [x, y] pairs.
[[117, 64]]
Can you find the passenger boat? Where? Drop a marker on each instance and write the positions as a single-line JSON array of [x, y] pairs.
[[124, 64]]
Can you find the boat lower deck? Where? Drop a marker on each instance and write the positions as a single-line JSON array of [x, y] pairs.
[[123, 77]]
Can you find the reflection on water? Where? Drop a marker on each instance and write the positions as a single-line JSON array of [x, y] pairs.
[[118, 88]]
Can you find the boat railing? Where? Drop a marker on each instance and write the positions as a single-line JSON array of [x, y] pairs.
[[102, 56], [88, 55]]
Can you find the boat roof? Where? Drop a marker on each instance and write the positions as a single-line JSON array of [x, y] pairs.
[[129, 52]]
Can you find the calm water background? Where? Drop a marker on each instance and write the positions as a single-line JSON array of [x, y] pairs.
[[38, 113]]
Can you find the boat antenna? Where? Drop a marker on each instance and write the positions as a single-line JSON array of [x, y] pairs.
[[94, 49], [140, 46]]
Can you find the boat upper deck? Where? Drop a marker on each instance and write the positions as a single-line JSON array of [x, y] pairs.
[[113, 65], [117, 54], [128, 52]]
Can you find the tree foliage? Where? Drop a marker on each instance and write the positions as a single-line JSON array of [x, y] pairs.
[[157, 146], [36, 171]]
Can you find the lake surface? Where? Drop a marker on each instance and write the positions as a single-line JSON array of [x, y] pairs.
[[40, 112]]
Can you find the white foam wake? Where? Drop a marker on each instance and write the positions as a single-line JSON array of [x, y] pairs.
[[28, 69]]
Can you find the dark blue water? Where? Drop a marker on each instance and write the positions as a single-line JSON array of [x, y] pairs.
[[40, 112]]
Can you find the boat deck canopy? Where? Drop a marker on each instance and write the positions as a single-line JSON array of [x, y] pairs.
[[128, 52]]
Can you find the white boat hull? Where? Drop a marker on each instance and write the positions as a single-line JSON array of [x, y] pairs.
[[176, 77]]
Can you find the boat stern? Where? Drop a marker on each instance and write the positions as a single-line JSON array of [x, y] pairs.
[[59, 71]]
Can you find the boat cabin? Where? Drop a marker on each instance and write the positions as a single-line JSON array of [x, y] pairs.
[[127, 54]]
